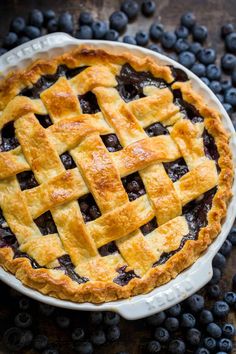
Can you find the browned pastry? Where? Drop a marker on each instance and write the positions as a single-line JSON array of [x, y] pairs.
[[114, 175]]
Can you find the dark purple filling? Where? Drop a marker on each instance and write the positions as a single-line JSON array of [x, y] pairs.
[[149, 227], [210, 146], [88, 103], [124, 277], [9, 139], [131, 82], [46, 224], [156, 129], [67, 266], [111, 142], [27, 180], [179, 74], [67, 161], [19, 254], [48, 80], [196, 215], [89, 209], [189, 111], [44, 120], [107, 249], [134, 186], [176, 169]]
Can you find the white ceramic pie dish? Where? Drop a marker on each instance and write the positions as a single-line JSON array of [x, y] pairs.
[[190, 280]]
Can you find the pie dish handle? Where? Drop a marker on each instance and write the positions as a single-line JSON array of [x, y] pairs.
[[27, 52]]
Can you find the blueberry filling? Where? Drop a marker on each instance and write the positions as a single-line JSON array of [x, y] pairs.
[[188, 110], [131, 82], [156, 129], [46, 224], [67, 161], [19, 254], [176, 169], [67, 266], [111, 142], [179, 74], [195, 213], [124, 277], [44, 120], [210, 146], [134, 186], [8, 138], [88, 103], [149, 227], [89, 208], [27, 180], [107, 249], [73, 72]]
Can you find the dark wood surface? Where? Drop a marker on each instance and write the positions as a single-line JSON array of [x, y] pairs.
[[212, 13]]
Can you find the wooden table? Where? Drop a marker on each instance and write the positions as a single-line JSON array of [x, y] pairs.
[[212, 13]]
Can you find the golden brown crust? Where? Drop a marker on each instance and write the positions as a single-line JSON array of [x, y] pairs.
[[55, 282]]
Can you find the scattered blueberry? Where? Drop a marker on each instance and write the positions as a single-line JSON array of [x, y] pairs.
[[214, 330], [63, 321], [199, 69], [220, 309], [83, 347], [130, 8], [188, 19], [10, 40], [232, 235], [228, 108], [129, 39], [13, 339], [193, 336], [168, 40], [17, 24], [207, 56], [141, 38], [27, 338], [112, 35], [228, 330], [78, 334], [84, 32], [36, 18], [161, 335], [182, 32], [111, 318], [49, 15], [65, 22], [215, 86], [23, 320], [216, 276], [85, 18], [230, 298], [205, 80], [226, 248], [46, 309], [228, 62], [187, 59], [148, 7], [227, 29], [195, 47], [32, 32], [230, 42], [219, 260], [202, 350], [113, 333], [177, 346], [187, 320], [225, 345], [172, 324], [155, 48], [157, 319], [52, 25], [99, 29], [195, 302], [210, 343], [22, 40], [206, 316], [156, 30], [153, 347], [96, 317], [199, 33], [174, 310], [98, 337], [40, 342], [118, 21], [181, 45], [213, 72], [230, 96], [220, 97], [24, 303]]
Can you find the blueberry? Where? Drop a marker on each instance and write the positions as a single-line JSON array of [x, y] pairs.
[[200, 33], [23, 320], [148, 7], [181, 45], [220, 309], [228, 62], [141, 38], [230, 298], [84, 32], [22, 40], [213, 72], [205, 80], [214, 330], [174, 310], [210, 343], [232, 235], [40, 342], [172, 324], [85, 18], [225, 345], [226, 248], [63, 321], [187, 59], [129, 39], [199, 69], [177, 346], [10, 40], [36, 18], [155, 48], [195, 302], [52, 25], [83, 347], [32, 32], [157, 319], [27, 338], [17, 24], [153, 347], [168, 40], [98, 337], [207, 55], [230, 96], [96, 317], [13, 339], [111, 318], [46, 309], [65, 22], [213, 291], [112, 35], [193, 336], [49, 15], [226, 84], [24, 304], [156, 30], [202, 350], [228, 330], [206, 316], [216, 276], [195, 47], [161, 335], [187, 320], [228, 108], [182, 32], [188, 19], [78, 334], [230, 42], [130, 8], [227, 29], [113, 333], [2, 51], [99, 29], [118, 21], [219, 261], [215, 86]]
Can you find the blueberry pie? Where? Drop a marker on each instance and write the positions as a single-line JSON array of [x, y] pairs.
[[114, 175]]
